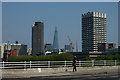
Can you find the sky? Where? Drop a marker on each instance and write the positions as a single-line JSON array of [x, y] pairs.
[[0, 22], [119, 23], [18, 17]]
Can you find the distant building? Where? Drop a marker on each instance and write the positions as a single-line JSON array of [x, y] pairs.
[[93, 31], [7, 46], [55, 40], [1, 50], [103, 47], [111, 45], [119, 49], [29, 51], [21, 49], [8, 49], [67, 48], [38, 38], [48, 47]]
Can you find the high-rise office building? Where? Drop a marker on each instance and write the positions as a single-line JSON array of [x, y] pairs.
[[37, 38], [55, 41], [93, 31]]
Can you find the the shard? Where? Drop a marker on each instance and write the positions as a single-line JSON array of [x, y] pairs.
[[55, 40]]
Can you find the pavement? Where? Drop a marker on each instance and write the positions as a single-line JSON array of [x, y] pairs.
[[112, 76], [57, 72]]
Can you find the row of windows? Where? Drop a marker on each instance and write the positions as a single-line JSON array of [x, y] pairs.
[[94, 36]]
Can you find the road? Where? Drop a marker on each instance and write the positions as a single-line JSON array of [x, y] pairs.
[[75, 77]]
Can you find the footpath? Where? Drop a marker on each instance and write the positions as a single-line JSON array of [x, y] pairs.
[[54, 72]]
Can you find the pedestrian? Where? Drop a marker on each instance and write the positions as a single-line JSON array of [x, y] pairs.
[[74, 64]]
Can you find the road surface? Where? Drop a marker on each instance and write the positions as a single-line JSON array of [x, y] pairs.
[[114, 76]]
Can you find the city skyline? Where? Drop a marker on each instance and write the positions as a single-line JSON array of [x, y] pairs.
[[65, 16]]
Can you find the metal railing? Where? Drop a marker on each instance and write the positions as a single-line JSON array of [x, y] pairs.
[[56, 64]]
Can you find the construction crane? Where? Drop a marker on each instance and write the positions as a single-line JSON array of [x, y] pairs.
[[71, 45]]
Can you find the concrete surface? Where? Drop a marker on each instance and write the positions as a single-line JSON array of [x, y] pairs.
[[63, 71]]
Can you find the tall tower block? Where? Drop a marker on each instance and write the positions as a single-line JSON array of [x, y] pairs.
[[93, 31], [37, 38]]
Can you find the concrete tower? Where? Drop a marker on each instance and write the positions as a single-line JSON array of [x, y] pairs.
[[93, 31], [37, 38]]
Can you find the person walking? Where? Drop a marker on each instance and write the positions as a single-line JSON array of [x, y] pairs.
[[74, 64]]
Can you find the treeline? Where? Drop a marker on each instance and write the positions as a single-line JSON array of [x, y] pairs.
[[109, 57], [60, 57], [54, 57]]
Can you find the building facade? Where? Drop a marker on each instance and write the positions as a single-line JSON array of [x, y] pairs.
[[37, 38], [7, 50], [93, 31], [1, 50], [48, 47], [104, 47], [55, 40], [21, 49], [67, 48]]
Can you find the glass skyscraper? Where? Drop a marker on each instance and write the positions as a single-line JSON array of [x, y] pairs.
[[55, 40]]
